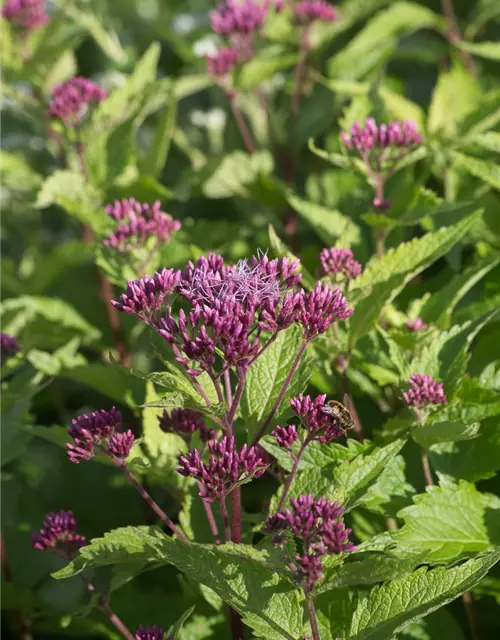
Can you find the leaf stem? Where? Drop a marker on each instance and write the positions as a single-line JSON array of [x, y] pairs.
[[225, 519], [311, 610], [426, 467], [211, 519], [154, 505], [293, 472], [281, 394], [240, 121], [454, 35], [106, 609]]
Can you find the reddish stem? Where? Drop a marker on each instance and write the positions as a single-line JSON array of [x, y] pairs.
[[292, 474], [106, 609], [311, 610], [455, 36], [211, 520], [240, 121]]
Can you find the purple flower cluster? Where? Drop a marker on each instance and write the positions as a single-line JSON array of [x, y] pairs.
[[234, 309], [318, 524], [226, 468], [71, 100], [416, 325], [372, 137], [320, 425], [9, 346], [99, 432], [308, 11], [424, 390], [137, 222], [59, 531], [150, 633], [184, 422], [25, 14], [222, 62], [342, 261], [285, 436], [238, 17]]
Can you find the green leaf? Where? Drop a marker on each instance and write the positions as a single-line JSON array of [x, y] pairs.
[[488, 172], [329, 224], [239, 574], [237, 171], [352, 479], [489, 50], [387, 609], [385, 277], [489, 140], [157, 154], [265, 380], [450, 522], [391, 491], [263, 66], [176, 628]]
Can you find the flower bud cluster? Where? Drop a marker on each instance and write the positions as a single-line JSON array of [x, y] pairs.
[[320, 425], [25, 14], [137, 223], [9, 346], [285, 436], [309, 11], [185, 422], [151, 633], [341, 261], [221, 63], [424, 391], [226, 468], [416, 325], [71, 100], [99, 432], [318, 524], [59, 531]]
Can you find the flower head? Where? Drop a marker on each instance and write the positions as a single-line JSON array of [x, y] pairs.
[[71, 100], [25, 14], [238, 17], [416, 325], [320, 425], [319, 308], [184, 422], [99, 432], [424, 390], [308, 11], [9, 346], [226, 468], [150, 633], [221, 63], [59, 531], [285, 436], [342, 261], [146, 295], [137, 223]]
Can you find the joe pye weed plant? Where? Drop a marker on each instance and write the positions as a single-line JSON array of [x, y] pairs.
[[250, 356]]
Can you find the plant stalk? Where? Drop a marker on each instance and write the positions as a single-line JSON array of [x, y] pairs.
[[454, 35], [106, 609], [225, 519], [311, 610], [292, 474], [242, 125]]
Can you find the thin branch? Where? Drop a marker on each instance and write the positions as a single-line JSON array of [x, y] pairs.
[[240, 121], [211, 519], [106, 609], [426, 467], [312, 618], [225, 519], [454, 36], [292, 474]]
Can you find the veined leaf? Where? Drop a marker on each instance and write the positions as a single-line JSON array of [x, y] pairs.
[[489, 140], [450, 522], [488, 172]]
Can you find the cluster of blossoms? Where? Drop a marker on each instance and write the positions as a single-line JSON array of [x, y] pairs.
[[416, 325], [151, 633], [221, 63], [319, 424], [226, 468], [236, 311], [318, 524], [9, 346], [184, 423], [71, 100], [374, 140], [423, 391], [334, 261], [25, 14], [309, 11], [137, 223], [99, 432], [59, 531]]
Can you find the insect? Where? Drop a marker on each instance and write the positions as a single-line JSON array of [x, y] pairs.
[[340, 413]]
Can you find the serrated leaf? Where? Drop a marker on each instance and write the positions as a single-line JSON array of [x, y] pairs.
[[385, 277], [236, 173], [389, 608], [488, 172], [265, 380], [239, 574], [450, 522], [391, 491]]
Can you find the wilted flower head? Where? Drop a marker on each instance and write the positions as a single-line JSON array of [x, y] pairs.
[[184, 422], [342, 261], [319, 308], [71, 100], [25, 14], [416, 325], [424, 390], [9, 346], [59, 531], [318, 523], [150, 633], [308, 11], [225, 469], [137, 223], [285, 436], [221, 63], [321, 426], [99, 432], [238, 17]]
